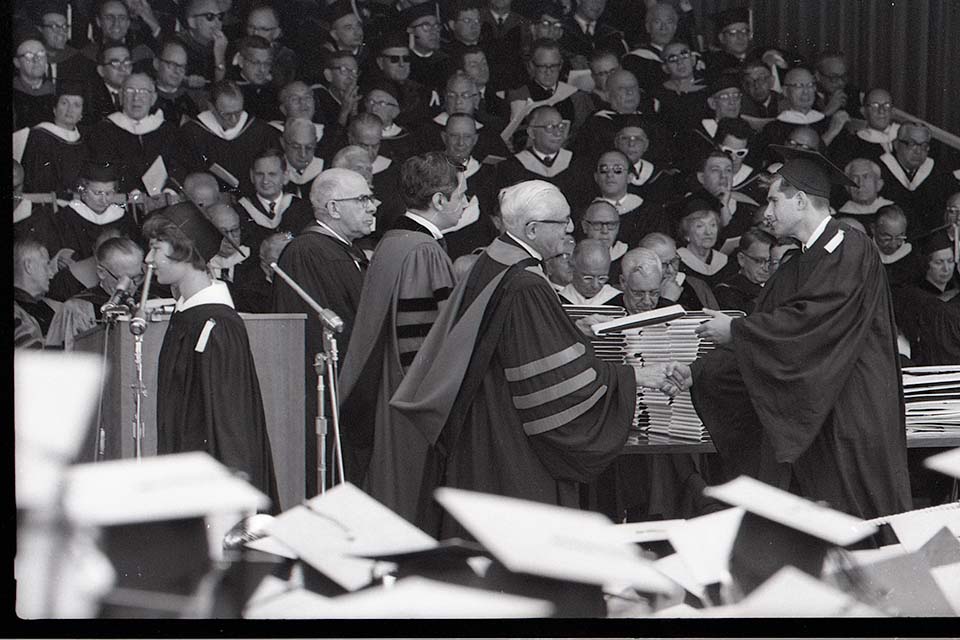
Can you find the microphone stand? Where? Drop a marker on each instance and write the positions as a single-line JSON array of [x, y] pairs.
[[324, 362], [138, 326]]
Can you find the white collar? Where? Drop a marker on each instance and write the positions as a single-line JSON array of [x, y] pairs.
[[208, 120], [335, 234], [911, 184], [816, 234], [472, 167], [432, 228], [311, 171], [277, 201], [857, 208], [380, 164], [110, 214], [499, 16], [229, 262], [885, 137], [647, 53], [60, 132], [644, 170], [137, 127], [626, 204], [792, 116], [899, 254], [543, 156], [710, 126], [585, 24], [717, 261], [216, 293], [742, 174], [428, 54], [392, 131], [527, 247], [617, 250], [605, 294]]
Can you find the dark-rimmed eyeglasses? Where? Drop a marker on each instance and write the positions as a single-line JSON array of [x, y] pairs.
[[383, 103], [737, 32], [565, 222], [430, 26], [466, 95], [31, 56], [886, 237], [210, 16], [364, 200], [121, 65], [755, 260], [350, 71], [605, 226], [556, 127], [63, 28], [175, 65], [397, 59], [130, 92], [737, 153], [616, 169], [550, 24], [673, 58], [672, 263]]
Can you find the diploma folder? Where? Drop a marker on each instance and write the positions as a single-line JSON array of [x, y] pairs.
[[644, 319]]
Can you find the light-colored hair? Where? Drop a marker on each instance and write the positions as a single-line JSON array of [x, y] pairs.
[[641, 260], [874, 167], [530, 200], [656, 239], [299, 123], [588, 248], [329, 186], [273, 245], [345, 156], [892, 212]]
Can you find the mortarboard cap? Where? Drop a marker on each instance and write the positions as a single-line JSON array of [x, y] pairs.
[[810, 171], [67, 87], [394, 40], [947, 463], [725, 80], [780, 529], [414, 13], [699, 200], [731, 16], [100, 172], [933, 240], [205, 237], [339, 9]]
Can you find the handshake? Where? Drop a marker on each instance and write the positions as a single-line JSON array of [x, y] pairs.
[[671, 377]]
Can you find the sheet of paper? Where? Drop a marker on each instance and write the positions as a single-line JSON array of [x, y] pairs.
[[915, 528], [155, 177], [792, 593], [641, 531], [947, 463], [545, 540], [674, 567], [704, 544], [270, 544], [791, 510], [295, 604], [581, 79], [947, 578]]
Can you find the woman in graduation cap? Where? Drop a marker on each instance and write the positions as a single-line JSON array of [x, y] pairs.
[[208, 393], [940, 261]]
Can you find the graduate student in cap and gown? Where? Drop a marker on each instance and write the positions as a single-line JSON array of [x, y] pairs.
[[409, 278], [208, 392], [505, 388], [806, 392]]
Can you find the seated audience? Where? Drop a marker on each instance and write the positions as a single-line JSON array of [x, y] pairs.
[[56, 151], [740, 290], [591, 269]]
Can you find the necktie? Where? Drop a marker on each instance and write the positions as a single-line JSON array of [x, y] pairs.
[[547, 161], [225, 275], [273, 210], [116, 101], [500, 22]]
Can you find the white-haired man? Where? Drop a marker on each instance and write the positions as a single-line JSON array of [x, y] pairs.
[[506, 388]]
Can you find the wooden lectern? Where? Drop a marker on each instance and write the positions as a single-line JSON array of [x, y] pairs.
[[276, 341]]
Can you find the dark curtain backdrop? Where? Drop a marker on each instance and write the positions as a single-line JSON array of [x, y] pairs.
[[910, 47]]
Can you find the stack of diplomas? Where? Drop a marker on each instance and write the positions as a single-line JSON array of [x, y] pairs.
[[932, 399], [610, 346]]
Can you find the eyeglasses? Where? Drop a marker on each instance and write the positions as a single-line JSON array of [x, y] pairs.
[[399, 59], [101, 194], [365, 200], [887, 237], [673, 263], [549, 67], [833, 76], [260, 64], [800, 145], [254, 31], [130, 92], [348, 71], [175, 65], [800, 85], [210, 16], [632, 139], [737, 32], [550, 24], [565, 222], [605, 226], [473, 21], [910, 144], [300, 148], [729, 97], [466, 95], [33, 57], [595, 279], [952, 210], [673, 58], [382, 103], [57, 27], [755, 260], [616, 169], [430, 26], [603, 74], [880, 106], [556, 127], [738, 153], [124, 65], [115, 18]]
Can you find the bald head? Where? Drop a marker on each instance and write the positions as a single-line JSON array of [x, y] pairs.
[[299, 142], [355, 158], [201, 189], [591, 266], [227, 221], [805, 137]]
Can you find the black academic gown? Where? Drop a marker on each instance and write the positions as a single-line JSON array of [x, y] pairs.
[[737, 292], [177, 105], [498, 419], [203, 147], [481, 197], [331, 272], [931, 325], [134, 153], [32, 106], [39, 222], [257, 224], [208, 395], [51, 163], [808, 394]]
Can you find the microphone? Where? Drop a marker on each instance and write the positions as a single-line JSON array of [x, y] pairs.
[[124, 286], [139, 323], [331, 320]]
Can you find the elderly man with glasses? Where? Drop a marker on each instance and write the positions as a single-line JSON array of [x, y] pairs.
[[506, 388], [138, 32], [429, 63], [325, 261], [545, 157]]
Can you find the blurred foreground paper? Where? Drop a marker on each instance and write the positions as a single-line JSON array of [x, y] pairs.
[[552, 542], [704, 543], [791, 593], [915, 528], [947, 463], [55, 396], [408, 598]]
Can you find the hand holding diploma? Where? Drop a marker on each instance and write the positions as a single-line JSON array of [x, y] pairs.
[[717, 328]]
